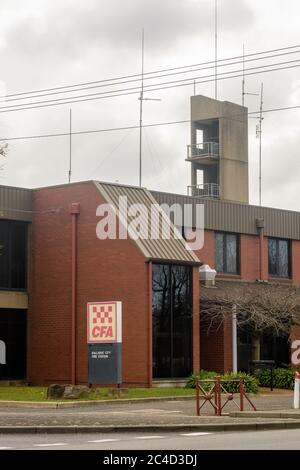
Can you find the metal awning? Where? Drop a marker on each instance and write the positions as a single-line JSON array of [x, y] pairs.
[[173, 249]]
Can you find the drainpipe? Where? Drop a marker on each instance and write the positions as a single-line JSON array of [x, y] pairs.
[[234, 340], [260, 224], [75, 210], [150, 323]]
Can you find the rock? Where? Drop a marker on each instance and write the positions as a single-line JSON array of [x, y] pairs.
[[55, 391], [117, 392], [73, 392]]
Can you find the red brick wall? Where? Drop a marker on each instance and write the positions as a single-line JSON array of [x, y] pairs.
[[216, 347], [207, 253], [107, 270], [249, 257], [295, 247], [265, 275]]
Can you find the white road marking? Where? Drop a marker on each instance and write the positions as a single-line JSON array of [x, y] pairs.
[[5, 448], [148, 411], [150, 437], [105, 440], [196, 434], [52, 444]]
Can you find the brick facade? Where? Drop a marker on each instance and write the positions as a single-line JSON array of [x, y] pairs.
[[216, 347], [107, 270]]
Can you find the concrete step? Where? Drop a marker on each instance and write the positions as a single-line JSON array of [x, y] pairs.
[[270, 414], [169, 383]]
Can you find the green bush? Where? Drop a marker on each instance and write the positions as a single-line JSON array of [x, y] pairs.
[[251, 383], [202, 375], [282, 378]]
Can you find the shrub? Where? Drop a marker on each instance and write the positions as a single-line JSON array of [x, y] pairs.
[[282, 378], [202, 375], [251, 383]]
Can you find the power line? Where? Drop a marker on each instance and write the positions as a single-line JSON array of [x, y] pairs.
[[157, 124], [4, 99], [65, 87], [135, 90]]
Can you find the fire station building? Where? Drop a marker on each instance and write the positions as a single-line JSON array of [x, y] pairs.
[[52, 264]]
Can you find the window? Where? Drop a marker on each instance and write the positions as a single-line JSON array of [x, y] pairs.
[[279, 257], [13, 240], [227, 253], [172, 320], [13, 334]]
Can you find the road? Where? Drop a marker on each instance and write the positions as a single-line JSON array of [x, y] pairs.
[[247, 440]]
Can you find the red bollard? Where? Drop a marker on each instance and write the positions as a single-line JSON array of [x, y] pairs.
[[216, 397], [197, 398], [219, 399]]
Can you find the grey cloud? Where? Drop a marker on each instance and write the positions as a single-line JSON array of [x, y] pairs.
[[68, 28]]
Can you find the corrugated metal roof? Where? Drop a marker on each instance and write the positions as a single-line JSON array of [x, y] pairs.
[[237, 217], [15, 203], [172, 249]]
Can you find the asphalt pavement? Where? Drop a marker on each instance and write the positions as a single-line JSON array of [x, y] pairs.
[[262, 440]]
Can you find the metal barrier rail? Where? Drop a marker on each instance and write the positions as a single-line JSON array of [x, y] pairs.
[[214, 395]]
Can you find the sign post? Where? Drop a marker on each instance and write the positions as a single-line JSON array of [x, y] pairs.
[[104, 338]]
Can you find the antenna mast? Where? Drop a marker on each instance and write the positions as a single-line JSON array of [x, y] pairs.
[[70, 146], [216, 49], [260, 142], [141, 112], [141, 98], [243, 82]]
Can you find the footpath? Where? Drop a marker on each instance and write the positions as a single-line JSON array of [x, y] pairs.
[[274, 412]]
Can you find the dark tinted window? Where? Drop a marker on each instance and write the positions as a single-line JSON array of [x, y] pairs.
[[279, 257], [13, 241], [172, 320], [13, 343], [227, 253], [4, 254]]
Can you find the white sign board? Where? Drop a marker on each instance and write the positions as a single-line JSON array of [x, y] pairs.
[[104, 322]]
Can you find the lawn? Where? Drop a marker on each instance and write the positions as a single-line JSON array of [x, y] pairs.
[[39, 393]]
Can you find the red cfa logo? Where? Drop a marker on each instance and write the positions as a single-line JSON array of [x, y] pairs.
[[102, 322]]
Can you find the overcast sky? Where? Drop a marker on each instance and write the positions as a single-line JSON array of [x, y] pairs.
[[45, 44]]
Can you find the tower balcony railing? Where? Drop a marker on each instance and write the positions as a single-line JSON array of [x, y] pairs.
[[203, 151], [206, 190]]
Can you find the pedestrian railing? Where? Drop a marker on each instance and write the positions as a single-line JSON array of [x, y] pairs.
[[213, 391]]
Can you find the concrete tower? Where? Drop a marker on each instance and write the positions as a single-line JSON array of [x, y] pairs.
[[219, 150]]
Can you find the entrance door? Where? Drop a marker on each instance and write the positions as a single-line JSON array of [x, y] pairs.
[[172, 321], [13, 344]]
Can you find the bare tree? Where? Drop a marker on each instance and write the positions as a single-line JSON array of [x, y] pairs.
[[263, 308], [3, 149], [3, 153]]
